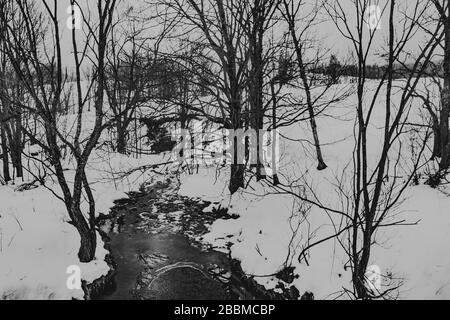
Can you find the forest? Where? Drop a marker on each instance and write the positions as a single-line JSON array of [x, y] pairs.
[[276, 149]]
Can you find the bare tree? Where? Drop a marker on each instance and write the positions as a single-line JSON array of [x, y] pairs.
[[291, 12], [377, 189], [3, 120], [39, 67], [260, 19], [219, 25], [443, 9], [11, 117], [126, 67], [370, 187], [134, 57]]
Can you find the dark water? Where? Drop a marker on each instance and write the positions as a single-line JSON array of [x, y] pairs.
[[155, 260]]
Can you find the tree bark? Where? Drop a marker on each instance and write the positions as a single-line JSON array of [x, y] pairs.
[[276, 180], [312, 117], [88, 238], [437, 139], [121, 139], [5, 157], [256, 80], [237, 168], [445, 100], [14, 133]]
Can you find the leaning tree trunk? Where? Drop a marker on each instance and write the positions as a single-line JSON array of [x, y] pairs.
[[312, 117]]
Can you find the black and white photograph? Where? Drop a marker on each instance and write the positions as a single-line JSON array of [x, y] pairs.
[[224, 150]]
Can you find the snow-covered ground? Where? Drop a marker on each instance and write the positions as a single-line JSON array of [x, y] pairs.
[[38, 245], [273, 228]]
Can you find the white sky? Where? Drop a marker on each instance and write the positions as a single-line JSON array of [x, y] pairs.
[[326, 30]]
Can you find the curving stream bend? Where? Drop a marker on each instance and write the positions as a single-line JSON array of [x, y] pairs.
[[150, 237]]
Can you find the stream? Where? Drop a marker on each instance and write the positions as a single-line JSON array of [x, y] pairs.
[[151, 237]]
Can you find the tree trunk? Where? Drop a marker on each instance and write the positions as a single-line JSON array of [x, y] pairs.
[[72, 201], [236, 178], [14, 134], [237, 168], [88, 237], [183, 135], [276, 181], [85, 226], [87, 247], [256, 87], [358, 280], [5, 158], [312, 117], [121, 139], [437, 140], [17, 162], [445, 100]]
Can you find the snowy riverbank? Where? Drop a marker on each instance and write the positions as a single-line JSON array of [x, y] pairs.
[[38, 243]]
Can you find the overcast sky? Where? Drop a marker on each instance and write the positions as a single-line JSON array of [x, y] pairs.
[[326, 31]]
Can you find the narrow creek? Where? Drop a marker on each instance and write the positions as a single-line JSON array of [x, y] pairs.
[[151, 239]]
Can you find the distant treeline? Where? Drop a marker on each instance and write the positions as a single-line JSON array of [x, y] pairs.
[[335, 70]]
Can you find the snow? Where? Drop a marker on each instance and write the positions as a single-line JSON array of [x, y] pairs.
[[204, 184], [424, 264], [37, 243], [272, 228]]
